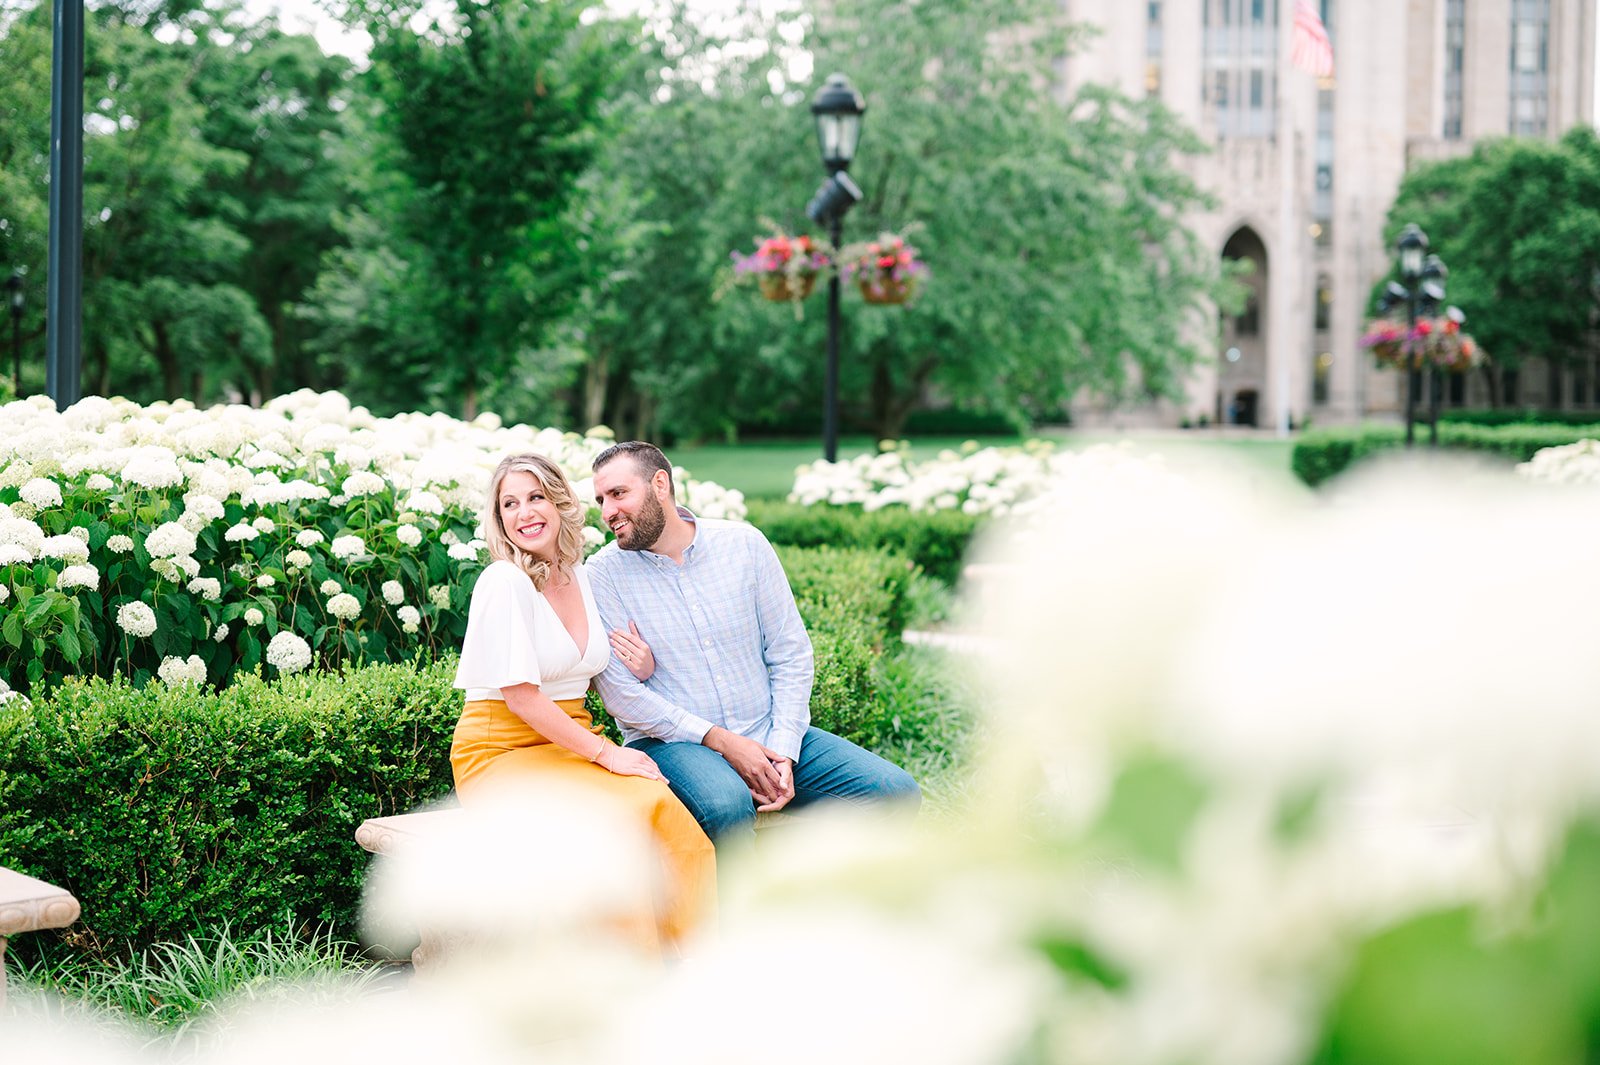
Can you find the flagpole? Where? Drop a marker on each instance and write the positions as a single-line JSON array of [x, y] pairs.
[[1286, 268]]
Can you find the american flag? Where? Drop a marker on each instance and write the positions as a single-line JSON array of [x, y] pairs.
[[1310, 49]]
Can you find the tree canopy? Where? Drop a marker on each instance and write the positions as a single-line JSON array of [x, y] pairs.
[[531, 204], [1517, 222]]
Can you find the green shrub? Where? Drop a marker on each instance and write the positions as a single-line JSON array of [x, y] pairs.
[[937, 541], [1506, 416], [170, 809], [873, 586], [1324, 453]]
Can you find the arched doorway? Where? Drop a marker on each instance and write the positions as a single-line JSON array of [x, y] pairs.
[[1242, 367]]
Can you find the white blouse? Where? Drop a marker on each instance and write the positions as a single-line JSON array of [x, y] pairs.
[[515, 637]]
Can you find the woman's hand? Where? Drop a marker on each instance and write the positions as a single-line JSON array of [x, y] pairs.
[[634, 652], [627, 762]]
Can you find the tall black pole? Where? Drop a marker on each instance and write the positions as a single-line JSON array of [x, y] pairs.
[[1435, 387], [64, 305], [16, 351], [830, 399], [1413, 373]]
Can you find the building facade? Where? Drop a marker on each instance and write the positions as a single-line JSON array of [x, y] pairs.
[[1414, 80]]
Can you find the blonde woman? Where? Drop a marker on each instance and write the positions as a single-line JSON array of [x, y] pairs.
[[534, 640]]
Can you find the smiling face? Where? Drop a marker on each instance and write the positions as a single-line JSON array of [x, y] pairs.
[[526, 514], [629, 504]]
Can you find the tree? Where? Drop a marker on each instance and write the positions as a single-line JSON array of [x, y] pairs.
[[1518, 224], [489, 116], [1060, 258]]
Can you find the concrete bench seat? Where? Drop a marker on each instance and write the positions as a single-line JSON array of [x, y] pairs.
[[29, 905]]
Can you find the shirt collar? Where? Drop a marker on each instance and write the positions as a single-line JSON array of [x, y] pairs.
[[689, 552]]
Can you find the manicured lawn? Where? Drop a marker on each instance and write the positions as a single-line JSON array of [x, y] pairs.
[[764, 469]]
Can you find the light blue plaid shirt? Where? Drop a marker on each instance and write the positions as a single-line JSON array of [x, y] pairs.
[[729, 645]]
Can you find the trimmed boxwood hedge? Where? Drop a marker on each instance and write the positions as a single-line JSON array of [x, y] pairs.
[[169, 810], [935, 540], [1321, 454], [1507, 416]]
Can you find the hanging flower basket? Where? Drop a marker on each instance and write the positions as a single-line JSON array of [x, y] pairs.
[[782, 287], [784, 267], [886, 290], [886, 270], [1437, 342]]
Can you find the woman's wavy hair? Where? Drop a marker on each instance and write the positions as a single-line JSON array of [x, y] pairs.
[[557, 489]]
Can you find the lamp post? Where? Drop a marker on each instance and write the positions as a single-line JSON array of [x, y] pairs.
[[14, 297], [1421, 289], [837, 109]]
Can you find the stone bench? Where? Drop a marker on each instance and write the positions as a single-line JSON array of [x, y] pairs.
[[384, 835], [28, 905]]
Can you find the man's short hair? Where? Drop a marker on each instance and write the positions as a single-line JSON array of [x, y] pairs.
[[647, 459]]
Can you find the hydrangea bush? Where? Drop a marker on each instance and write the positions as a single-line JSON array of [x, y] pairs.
[[184, 544], [1577, 463], [994, 481]]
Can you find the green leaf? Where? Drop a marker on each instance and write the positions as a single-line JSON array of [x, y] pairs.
[[1153, 804]]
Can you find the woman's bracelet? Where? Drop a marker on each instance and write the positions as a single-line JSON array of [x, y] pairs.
[[599, 750]]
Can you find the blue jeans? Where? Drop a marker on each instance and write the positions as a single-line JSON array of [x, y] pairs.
[[830, 769]]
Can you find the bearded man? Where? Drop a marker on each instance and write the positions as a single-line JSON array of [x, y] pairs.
[[727, 712]]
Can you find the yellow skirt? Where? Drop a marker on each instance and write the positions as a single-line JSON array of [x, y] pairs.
[[492, 744]]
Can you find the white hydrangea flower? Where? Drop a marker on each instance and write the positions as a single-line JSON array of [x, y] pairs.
[[592, 537], [288, 652], [240, 532], [80, 532], [187, 566], [5, 592], [136, 619], [266, 580], [99, 482], [169, 539], [152, 467], [221, 633], [344, 606], [347, 547], [202, 509], [331, 587], [263, 525], [393, 593], [66, 548], [362, 483], [175, 671], [208, 588], [297, 559], [309, 537], [337, 501], [41, 493], [254, 616], [423, 503], [409, 615], [15, 554], [409, 535], [463, 552], [83, 576], [439, 596], [449, 538]]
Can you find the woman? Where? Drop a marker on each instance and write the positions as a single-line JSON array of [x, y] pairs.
[[534, 639]]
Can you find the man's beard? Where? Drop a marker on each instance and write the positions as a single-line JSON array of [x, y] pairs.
[[645, 527]]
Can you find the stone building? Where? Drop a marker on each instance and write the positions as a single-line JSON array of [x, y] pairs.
[[1414, 79]]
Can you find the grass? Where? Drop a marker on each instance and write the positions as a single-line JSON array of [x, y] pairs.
[[179, 992], [764, 469]]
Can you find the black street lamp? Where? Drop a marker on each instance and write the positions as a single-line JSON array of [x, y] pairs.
[[837, 108], [1421, 289], [14, 297]]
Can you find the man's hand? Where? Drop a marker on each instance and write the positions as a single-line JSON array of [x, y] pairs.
[[753, 763], [785, 770]]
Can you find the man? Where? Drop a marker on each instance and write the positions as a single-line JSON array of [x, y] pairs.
[[727, 712]]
